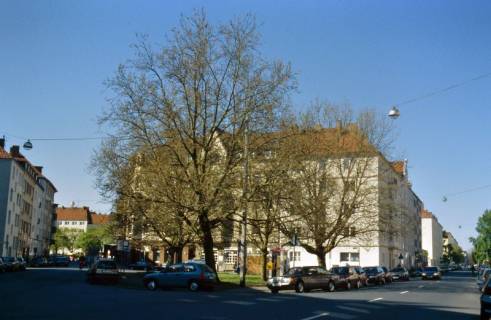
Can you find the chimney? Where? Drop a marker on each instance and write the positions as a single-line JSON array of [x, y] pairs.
[[2, 143], [15, 151]]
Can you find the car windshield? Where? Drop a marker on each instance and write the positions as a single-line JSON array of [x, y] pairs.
[[293, 271], [371, 269], [430, 270], [398, 270], [337, 270]]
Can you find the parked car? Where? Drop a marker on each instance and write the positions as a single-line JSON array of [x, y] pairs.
[[104, 271], [482, 277], [431, 273], [22, 263], [11, 263], [3, 267], [400, 273], [363, 275], [61, 261], [348, 277], [193, 276], [376, 275], [415, 272], [486, 300], [304, 279], [38, 262], [141, 265], [443, 268], [388, 274]]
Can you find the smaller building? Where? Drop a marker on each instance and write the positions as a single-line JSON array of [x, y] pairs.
[[73, 218], [431, 234]]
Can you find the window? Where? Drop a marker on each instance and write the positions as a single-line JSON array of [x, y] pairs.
[[294, 256], [8, 218], [67, 222], [74, 222], [230, 256], [81, 223], [346, 164], [349, 257], [189, 268]]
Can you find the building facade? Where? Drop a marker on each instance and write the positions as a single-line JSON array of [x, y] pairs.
[[26, 206], [432, 239]]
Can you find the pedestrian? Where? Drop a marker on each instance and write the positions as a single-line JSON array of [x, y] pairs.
[[473, 270]]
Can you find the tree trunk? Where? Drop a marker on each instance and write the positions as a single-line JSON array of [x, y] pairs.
[[207, 240], [178, 251], [321, 259], [265, 262]]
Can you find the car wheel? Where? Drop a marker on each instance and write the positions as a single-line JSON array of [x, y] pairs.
[[484, 316], [348, 285], [193, 285], [151, 285], [358, 284], [382, 282], [331, 287], [274, 291], [299, 287]]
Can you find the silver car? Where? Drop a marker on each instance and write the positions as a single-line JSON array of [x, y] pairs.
[[193, 276]]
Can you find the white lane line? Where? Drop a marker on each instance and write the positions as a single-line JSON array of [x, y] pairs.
[[403, 292], [316, 316], [420, 286], [376, 299], [346, 308]]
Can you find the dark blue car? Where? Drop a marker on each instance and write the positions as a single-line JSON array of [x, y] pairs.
[[193, 276]]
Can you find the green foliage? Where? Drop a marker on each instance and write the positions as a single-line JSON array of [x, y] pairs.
[[482, 243], [65, 238], [92, 241]]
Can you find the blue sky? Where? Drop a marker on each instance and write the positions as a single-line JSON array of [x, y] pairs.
[[55, 56]]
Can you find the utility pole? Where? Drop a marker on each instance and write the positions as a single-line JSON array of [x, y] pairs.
[[245, 193]]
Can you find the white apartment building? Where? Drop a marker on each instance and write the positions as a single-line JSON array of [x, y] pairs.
[[26, 205], [431, 233], [402, 245], [73, 218]]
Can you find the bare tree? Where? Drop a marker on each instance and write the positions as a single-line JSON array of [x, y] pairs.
[[334, 180], [194, 98]]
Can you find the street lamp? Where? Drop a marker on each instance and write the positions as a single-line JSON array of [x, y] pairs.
[[394, 113], [27, 145]]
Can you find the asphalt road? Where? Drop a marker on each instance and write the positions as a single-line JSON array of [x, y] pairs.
[[63, 294]]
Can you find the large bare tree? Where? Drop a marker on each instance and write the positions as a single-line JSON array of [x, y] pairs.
[[195, 98]]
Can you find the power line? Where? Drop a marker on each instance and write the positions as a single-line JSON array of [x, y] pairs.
[[451, 87], [445, 197]]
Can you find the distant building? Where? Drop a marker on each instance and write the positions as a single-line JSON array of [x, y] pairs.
[[79, 218], [448, 239], [27, 206], [431, 232]]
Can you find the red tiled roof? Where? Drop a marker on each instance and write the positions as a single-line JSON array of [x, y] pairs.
[[4, 154], [425, 214], [100, 218], [72, 214], [398, 167]]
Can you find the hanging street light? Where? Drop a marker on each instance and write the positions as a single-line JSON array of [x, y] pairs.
[[394, 113], [27, 145]]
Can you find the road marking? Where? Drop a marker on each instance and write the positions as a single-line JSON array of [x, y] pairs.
[[186, 300], [376, 299], [403, 292], [317, 316], [420, 286], [268, 299], [353, 309]]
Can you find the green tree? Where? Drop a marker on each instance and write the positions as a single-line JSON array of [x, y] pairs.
[[92, 241], [65, 238], [482, 243]]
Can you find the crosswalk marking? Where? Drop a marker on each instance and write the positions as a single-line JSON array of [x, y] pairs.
[[324, 314], [376, 299]]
